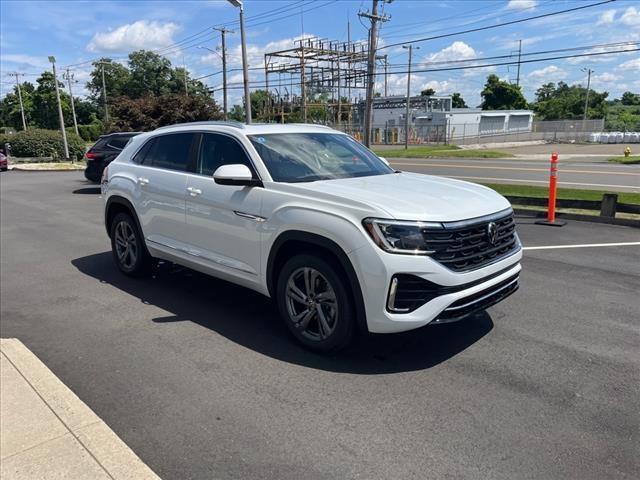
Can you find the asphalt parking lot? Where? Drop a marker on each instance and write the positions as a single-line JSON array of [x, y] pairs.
[[200, 379]]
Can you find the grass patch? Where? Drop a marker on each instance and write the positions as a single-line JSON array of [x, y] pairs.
[[563, 193], [626, 160], [439, 151]]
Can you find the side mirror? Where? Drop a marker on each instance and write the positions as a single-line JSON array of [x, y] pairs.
[[235, 174], [384, 160]]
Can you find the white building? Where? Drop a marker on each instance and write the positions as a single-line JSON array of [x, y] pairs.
[[432, 119]]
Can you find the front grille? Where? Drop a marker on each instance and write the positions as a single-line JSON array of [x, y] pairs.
[[462, 246]]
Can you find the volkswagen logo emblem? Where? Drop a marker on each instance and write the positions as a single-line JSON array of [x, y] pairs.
[[492, 233]]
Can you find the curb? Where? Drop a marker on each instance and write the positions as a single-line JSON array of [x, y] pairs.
[[98, 447], [32, 170], [625, 222]]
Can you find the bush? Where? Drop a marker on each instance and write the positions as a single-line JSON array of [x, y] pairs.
[[43, 143], [91, 132]]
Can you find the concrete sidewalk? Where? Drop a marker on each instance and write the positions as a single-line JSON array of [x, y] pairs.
[[47, 432]]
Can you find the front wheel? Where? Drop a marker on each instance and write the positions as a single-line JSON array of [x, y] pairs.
[[127, 245], [315, 303]]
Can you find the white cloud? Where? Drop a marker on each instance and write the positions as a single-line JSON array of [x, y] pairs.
[[548, 74], [605, 78], [25, 61], [607, 17], [631, 65], [134, 36], [456, 51], [521, 4], [631, 17]]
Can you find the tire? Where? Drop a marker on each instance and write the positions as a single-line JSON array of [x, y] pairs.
[[315, 303], [129, 251]]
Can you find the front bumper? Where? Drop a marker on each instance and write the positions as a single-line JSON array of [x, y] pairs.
[[458, 294]]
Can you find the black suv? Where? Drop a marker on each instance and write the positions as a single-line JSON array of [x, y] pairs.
[[105, 150]]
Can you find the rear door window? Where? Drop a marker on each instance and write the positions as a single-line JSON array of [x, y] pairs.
[[118, 142], [172, 152]]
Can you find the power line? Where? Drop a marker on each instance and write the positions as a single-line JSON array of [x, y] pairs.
[[503, 24], [466, 67]]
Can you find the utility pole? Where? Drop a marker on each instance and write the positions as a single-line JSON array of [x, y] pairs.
[[586, 102], [303, 88], [371, 65], [386, 66], [104, 95], [245, 66], [52, 59], [223, 31], [519, 58], [406, 116], [69, 78], [24, 122], [184, 68]]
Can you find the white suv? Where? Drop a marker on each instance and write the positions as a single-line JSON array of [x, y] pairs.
[[308, 216]]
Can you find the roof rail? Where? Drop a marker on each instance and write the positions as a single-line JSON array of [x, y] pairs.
[[310, 125], [226, 123]]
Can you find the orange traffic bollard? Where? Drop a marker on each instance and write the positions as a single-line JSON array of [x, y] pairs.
[[553, 190]]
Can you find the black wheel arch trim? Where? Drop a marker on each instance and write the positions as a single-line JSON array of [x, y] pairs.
[[126, 203], [336, 250]]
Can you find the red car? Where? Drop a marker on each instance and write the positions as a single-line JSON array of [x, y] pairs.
[[4, 163]]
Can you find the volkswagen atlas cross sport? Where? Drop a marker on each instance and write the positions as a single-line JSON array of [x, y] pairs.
[[308, 216]]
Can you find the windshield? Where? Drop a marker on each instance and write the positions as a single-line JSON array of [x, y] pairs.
[[306, 157]]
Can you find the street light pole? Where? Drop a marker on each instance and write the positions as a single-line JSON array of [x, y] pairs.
[[52, 59], [245, 66], [406, 116], [104, 96]]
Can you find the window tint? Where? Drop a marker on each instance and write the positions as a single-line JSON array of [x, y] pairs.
[[140, 156], [118, 142], [170, 151], [217, 150]]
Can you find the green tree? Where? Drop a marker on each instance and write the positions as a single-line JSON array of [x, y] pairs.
[[116, 79], [561, 101], [457, 101], [150, 74], [501, 95], [629, 98], [45, 104], [237, 113], [427, 92], [10, 115]]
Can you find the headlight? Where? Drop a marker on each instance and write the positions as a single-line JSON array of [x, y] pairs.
[[400, 236]]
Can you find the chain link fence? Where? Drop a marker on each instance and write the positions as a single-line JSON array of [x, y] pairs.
[[561, 131]]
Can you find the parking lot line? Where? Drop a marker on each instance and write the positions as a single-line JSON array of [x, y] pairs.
[[585, 245]]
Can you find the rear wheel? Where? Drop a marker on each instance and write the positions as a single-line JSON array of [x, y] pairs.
[[127, 245], [315, 303]]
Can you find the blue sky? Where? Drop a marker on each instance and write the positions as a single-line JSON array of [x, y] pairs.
[[78, 31]]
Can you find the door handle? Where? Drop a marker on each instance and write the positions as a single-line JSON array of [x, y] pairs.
[[143, 181], [194, 191]]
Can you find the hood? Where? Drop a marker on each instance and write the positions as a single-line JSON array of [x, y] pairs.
[[413, 196]]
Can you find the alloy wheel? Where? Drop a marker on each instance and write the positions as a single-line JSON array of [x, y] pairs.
[[126, 245], [311, 303]]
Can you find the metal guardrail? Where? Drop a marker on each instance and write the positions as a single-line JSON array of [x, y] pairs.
[[608, 206]]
